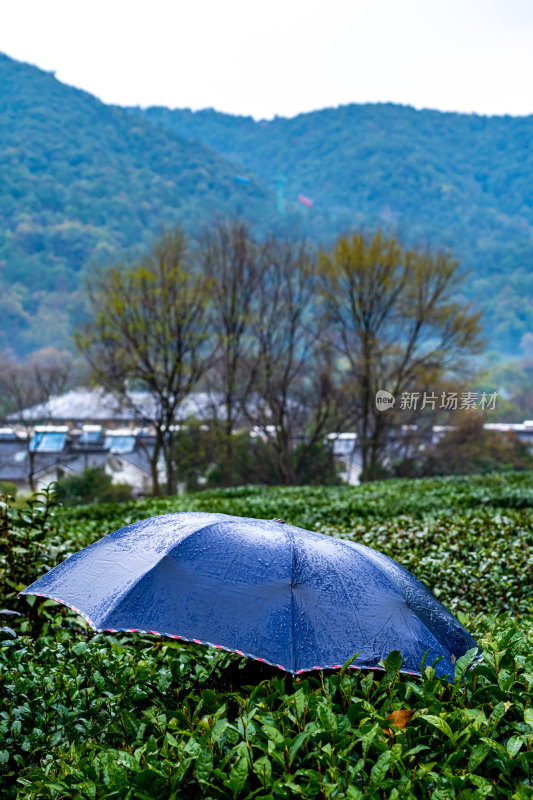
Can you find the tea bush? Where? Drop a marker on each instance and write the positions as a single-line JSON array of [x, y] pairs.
[[86, 715]]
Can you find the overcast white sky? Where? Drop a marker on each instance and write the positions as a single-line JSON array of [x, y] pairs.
[[268, 57]]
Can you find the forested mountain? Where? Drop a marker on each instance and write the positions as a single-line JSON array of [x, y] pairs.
[[457, 181], [81, 181]]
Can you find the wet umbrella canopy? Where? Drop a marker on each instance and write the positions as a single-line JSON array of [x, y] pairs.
[[292, 598]]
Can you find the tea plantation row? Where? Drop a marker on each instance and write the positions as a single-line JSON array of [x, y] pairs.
[[102, 716]]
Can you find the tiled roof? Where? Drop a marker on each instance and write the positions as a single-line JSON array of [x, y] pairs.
[[15, 465], [139, 458], [82, 404], [88, 404], [78, 462]]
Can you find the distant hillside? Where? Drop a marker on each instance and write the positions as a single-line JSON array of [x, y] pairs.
[[81, 181], [456, 181]]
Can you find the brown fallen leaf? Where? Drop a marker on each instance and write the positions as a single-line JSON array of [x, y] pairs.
[[400, 718]]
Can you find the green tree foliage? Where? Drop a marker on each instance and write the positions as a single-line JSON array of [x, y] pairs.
[[229, 257], [513, 381], [200, 454], [82, 181], [92, 485], [272, 368], [467, 448], [294, 396], [300, 352]]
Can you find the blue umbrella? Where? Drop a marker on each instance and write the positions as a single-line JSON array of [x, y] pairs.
[[292, 598]]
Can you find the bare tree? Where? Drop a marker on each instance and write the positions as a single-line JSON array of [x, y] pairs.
[[230, 260], [54, 371], [27, 387], [291, 372], [396, 325], [147, 329]]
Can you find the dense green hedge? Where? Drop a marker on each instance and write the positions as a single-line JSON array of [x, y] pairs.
[[101, 716], [337, 507], [124, 718]]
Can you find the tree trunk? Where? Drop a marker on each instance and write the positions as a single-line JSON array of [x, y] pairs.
[[154, 462], [31, 468], [364, 437], [374, 449], [168, 451], [227, 444]]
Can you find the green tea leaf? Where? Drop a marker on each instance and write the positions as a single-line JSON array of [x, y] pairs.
[[99, 680], [497, 713], [478, 755], [393, 662], [353, 793], [380, 768], [130, 722], [218, 729], [263, 769], [297, 743], [513, 745], [238, 776], [273, 734], [463, 663], [204, 765], [439, 723]]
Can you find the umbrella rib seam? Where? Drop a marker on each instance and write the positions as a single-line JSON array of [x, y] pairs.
[[162, 556], [118, 600], [293, 554]]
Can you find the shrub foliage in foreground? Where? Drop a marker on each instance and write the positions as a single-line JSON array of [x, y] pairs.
[[132, 719], [93, 485], [101, 716]]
